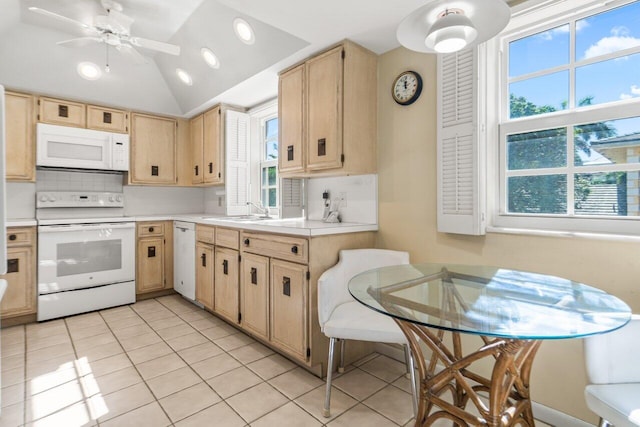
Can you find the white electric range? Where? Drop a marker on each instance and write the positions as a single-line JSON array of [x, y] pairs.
[[86, 253]]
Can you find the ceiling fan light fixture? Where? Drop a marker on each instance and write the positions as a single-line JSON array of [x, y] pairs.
[[243, 31], [89, 71], [452, 32], [184, 77], [210, 58]]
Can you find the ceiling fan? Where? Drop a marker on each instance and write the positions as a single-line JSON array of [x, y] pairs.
[[113, 30]]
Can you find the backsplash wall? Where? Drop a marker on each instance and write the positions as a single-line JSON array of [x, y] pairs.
[[361, 197], [21, 200]]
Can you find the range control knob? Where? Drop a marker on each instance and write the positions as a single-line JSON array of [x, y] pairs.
[[52, 198], [44, 198], [111, 198], [118, 198]]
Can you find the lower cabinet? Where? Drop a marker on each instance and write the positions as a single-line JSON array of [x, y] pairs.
[[154, 256], [20, 296], [205, 274], [254, 294], [226, 284]]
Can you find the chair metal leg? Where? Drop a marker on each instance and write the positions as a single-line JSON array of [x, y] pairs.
[[412, 378], [326, 411], [604, 423], [341, 366]]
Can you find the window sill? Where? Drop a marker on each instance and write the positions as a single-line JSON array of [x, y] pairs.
[[564, 233]]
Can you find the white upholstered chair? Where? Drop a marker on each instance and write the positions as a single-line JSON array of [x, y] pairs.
[[613, 368], [343, 318]]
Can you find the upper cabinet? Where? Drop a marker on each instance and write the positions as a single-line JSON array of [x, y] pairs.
[[20, 143], [207, 148], [153, 150], [61, 112], [107, 119], [327, 114]]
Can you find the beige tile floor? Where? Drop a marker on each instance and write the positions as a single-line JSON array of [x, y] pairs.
[[165, 362]]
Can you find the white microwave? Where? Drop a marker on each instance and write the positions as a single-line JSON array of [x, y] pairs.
[[69, 147]]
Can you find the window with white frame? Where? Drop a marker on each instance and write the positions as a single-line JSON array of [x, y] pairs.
[[570, 121], [269, 162]]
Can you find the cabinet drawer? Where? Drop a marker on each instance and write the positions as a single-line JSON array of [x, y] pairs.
[[107, 119], [20, 236], [228, 238], [284, 247], [60, 112], [206, 234], [151, 229]]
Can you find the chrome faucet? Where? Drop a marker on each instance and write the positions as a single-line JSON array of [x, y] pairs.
[[264, 210]]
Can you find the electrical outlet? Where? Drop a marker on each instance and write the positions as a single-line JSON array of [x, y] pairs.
[[342, 196]]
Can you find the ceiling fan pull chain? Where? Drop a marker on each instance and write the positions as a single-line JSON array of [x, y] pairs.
[[106, 68]]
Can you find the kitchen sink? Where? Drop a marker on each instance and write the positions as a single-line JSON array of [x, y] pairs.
[[241, 218]]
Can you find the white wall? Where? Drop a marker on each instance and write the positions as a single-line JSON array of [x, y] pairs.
[[361, 193], [162, 200], [21, 200]]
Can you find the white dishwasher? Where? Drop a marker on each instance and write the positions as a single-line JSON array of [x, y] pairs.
[[184, 259]]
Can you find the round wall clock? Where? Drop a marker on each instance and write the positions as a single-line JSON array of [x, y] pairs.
[[407, 88]]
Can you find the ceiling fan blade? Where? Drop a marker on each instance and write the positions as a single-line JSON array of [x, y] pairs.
[[129, 51], [171, 49], [61, 18], [79, 42]]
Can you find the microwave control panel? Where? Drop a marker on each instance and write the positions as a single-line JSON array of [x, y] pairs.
[[76, 199]]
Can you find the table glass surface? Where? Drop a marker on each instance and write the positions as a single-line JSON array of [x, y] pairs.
[[489, 301]]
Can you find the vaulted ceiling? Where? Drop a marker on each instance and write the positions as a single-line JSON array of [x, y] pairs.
[[286, 32]]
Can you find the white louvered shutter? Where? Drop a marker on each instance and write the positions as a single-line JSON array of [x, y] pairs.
[[237, 162], [461, 152], [291, 198]]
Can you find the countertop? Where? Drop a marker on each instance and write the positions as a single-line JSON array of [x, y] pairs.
[[298, 227]]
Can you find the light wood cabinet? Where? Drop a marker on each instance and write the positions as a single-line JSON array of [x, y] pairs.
[[20, 296], [61, 112], [153, 150], [154, 257], [226, 284], [205, 274], [254, 294], [206, 143], [107, 119], [334, 115], [20, 141]]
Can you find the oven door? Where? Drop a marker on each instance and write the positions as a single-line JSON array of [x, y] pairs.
[[85, 255]]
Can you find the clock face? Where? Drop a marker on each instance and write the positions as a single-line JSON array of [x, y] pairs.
[[407, 88]]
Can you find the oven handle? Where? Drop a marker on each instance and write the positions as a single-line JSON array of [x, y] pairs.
[[84, 227]]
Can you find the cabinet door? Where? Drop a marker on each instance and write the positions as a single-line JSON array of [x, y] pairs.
[[107, 119], [196, 133], [150, 265], [19, 137], [153, 150], [20, 296], [226, 284], [204, 274], [289, 307], [254, 294], [213, 155], [324, 110], [60, 112], [291, 120]]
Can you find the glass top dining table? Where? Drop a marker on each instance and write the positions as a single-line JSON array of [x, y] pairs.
[[512, 311]]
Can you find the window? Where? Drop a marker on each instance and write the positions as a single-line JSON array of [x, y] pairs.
[[269, 163], [570, 121]]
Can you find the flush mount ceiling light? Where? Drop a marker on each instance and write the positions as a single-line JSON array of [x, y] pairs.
[[445, 26], [89, 71], [184, 77], [244, 31], [210, 58]]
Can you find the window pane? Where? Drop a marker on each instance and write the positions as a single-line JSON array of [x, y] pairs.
[[540, 51], [607, 194], [545, 194], [539, 95], [610, 142], [271, 139], [535, 150], [608, 32], [263, 180], [272, 197], [608, 81], [271, 171]]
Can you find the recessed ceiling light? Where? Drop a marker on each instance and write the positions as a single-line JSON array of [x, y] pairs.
[[89, 71], [210, 58], [184, 76], [243, 31]]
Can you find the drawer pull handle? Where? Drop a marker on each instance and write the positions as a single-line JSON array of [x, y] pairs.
[[106, 117], [254, 276], [204, 259], [290, 153], [225, 267], [210, 167], [150, 229], [13, 265], [151, 252], [286, 286], [322, 147], [294, 249], [246, 242], [12, 237], [155, 171], [63, 110], [196, 168]]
